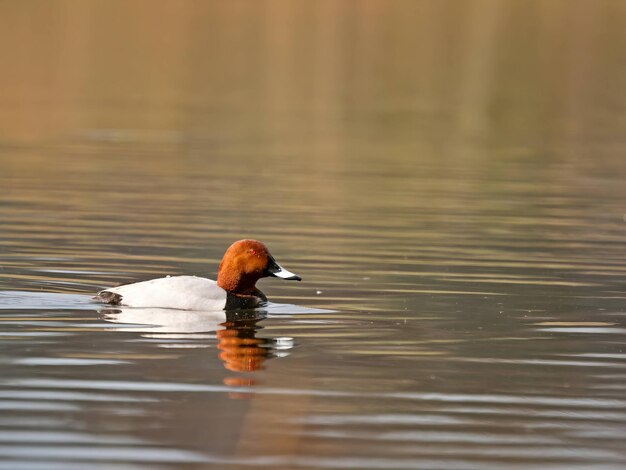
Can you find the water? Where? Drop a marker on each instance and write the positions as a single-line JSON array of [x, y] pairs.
[[447, 178]]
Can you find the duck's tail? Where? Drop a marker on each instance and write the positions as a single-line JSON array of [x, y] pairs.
[[107, 297]]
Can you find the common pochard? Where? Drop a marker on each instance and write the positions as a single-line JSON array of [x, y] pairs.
[[243, 264]]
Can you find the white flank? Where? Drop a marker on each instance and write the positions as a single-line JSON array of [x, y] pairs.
[[178, 292]]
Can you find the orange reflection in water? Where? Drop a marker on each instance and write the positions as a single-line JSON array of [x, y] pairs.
[[241, 350]]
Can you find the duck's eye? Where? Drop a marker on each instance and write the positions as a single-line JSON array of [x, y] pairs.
[[252, 251]]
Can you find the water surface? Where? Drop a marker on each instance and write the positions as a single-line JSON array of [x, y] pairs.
[[447, 179]]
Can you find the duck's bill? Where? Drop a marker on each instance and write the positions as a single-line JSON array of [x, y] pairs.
[[284, 274], [276, 270]]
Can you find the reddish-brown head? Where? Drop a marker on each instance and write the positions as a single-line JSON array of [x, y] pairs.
[[244, 263]]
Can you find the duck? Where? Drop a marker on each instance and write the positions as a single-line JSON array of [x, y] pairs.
[[244, 263]]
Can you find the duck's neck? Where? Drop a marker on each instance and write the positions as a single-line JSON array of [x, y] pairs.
[[237, 284]]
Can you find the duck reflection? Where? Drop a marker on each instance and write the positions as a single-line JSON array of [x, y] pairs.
[[241, 350], [236, 332]]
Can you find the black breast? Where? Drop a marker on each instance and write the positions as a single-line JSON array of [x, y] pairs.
[[242, 302]]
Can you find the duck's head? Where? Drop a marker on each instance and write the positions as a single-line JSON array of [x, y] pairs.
[[244, 263]]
